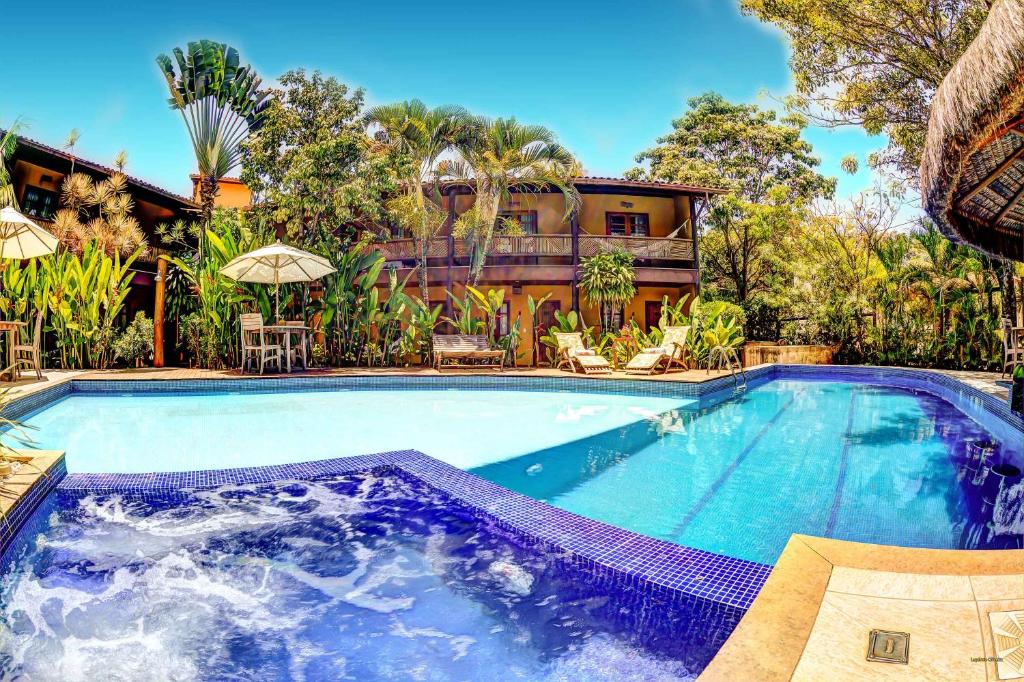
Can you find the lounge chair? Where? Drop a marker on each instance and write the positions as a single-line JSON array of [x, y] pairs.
[[671, 353], [471, 349], [575, 355], [254, 343]]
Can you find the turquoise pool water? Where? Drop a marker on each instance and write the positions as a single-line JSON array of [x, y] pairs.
[[846, 460], [138, 433]]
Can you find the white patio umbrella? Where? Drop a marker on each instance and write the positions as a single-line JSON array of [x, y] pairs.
[[277, 264], [20, 238]]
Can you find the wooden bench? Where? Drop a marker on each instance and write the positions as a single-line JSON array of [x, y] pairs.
[[473, 349]]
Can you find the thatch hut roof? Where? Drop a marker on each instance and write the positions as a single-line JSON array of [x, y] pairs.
[[972, 171]]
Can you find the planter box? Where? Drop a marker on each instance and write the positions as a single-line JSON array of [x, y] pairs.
[[762, 352]]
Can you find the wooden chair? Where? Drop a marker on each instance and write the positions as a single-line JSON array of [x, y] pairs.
[[27, 354], [671, 353], [574, 354], [254, 343], [473, 349], [1013, 346]]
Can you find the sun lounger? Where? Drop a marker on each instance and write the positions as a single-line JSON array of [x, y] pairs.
[[468, 351], [575, 355], [671, 353]]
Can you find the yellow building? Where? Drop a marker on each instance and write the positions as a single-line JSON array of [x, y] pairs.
[[651, 220]]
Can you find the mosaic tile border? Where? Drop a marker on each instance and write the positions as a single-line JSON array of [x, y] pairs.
[[637, 561], [22, 511]]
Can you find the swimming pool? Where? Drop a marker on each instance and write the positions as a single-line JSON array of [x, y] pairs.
[[856, 459], [359, 576]]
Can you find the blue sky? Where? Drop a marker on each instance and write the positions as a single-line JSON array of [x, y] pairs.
[[607, 76]]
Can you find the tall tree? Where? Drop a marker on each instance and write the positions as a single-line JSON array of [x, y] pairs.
[[768, 166], [421, 135], [498, 156], [220, 102], [941, 268], [310, 165], [873, 64]]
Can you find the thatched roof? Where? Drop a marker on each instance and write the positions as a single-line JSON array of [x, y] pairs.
[[972, 171]]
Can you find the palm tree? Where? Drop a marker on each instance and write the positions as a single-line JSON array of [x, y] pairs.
[[421, 135], [8, 143], [69, 146], [940, 268], [220, 103], [607, 280], [497, 156], [121, 160]]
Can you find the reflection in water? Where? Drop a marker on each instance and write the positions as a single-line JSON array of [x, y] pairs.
[[355, 577], [845, 460]]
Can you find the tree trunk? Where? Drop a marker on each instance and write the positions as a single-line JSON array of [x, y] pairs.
[[207, 198], [1009, 292], [423, 246]]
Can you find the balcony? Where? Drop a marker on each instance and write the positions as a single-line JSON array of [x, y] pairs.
[[555, 245], [548, 259]]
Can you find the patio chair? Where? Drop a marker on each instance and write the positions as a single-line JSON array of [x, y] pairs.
[[472, 351], [1013, 346], [575, 355], [255, 345], [27, 354], [671, 353]]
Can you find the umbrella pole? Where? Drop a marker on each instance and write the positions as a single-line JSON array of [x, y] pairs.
[[277, 298]]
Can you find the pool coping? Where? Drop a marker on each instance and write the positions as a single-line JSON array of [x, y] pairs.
[[655, 564], [814, 615]]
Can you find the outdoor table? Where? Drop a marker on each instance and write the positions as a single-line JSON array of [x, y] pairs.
[[286, 331], [12, 328]]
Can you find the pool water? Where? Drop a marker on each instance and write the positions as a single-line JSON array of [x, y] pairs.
[[834, 459], [355, 577], [853, 461], [145, 432]]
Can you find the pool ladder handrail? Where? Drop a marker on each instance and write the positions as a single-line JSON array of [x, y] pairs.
[[729, 359], [739, 376]]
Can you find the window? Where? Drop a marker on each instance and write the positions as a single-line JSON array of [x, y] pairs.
[[652, 314], [527, 219], [627, 224], [501, 320], [38, 202]]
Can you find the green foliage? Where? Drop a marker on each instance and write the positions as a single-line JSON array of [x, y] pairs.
[[135, 343], [497, 155], [873, 64], [771, 172], [566, 323], [219, 299], [607, 279], [220, 101], [417, 135], [310, 165], [84, 297]]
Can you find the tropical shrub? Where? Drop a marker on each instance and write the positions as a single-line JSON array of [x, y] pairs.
[[607, 279], [135, 343]]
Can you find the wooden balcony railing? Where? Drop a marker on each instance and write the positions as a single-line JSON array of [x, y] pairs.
[[648, 248]]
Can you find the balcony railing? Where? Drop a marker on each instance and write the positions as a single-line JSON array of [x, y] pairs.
[[648, 248]]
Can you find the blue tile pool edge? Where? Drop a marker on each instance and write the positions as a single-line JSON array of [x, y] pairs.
[[633, 560]]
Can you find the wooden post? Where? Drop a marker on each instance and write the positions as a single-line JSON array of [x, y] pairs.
[[450, 225], [574, 227], [693, 235], [158, 313]]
